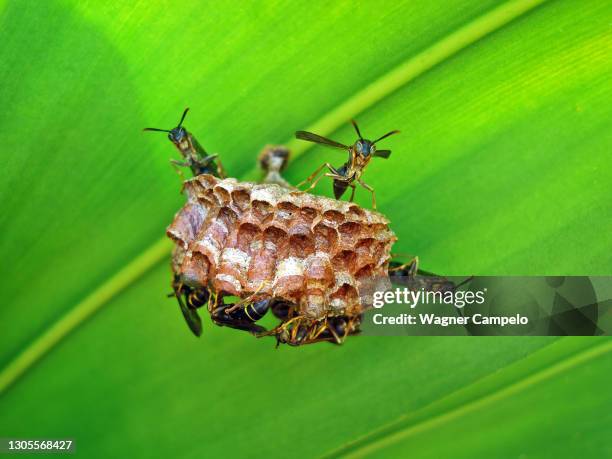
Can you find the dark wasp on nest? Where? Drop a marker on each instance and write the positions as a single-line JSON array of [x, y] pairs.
[[196, 157], [190, 298], [360, 154]]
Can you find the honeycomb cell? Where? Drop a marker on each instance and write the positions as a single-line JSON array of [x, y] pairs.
[[247, 233], [261, 209], [223, 195], [326, 238], [333, 216], [349, 233], [241, 199]]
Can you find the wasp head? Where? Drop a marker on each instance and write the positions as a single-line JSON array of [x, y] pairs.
[[176, 135], [364, 148], [367, 148]]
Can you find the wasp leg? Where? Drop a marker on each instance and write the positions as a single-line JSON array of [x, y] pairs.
[[333, 175], [203, 165], [283, 331], [300, 330], [221, 169], [416, 279], [176, 165], [408, 269], [317, 331], [337, 339], [248, 299], [314, 174], [336, 330], [283, 326], [341, 327], [311, 176], [352, 192], [371, 190]]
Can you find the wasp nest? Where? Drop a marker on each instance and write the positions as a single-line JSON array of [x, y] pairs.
[[241, 238]]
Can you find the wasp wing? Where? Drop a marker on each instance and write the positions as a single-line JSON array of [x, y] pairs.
[[310, 137], [197, 146], [382, 153], [191, 316]]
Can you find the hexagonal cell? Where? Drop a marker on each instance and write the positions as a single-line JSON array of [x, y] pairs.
[[345, 261], [326, 238], [349, 232], [261, 209], [205, 180], [209, 195], [308, 213], [300, 245], [241, 199], [365, 271], [333, 216], [275, 235], [287, 210], [227, 216], [356, 212], [319, 268], [247, 232], [223, 195], [366, 245], [344, 296]]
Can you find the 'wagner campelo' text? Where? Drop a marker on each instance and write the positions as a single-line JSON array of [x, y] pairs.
[[445, 321]]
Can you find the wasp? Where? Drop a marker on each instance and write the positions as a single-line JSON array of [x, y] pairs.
[[410, 275], [241, 315], [272, 160], [300, 330], [360, 154], [189, 300], [196, 157]]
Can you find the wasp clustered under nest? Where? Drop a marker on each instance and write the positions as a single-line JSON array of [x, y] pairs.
[[306, 256]]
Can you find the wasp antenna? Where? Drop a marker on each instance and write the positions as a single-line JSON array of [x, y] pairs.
[[155, 129], [357, 129], [386, 135], [463, 282], [183, 117]]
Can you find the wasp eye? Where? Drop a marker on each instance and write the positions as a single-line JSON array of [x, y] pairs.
[[372, 149], [362, 148]]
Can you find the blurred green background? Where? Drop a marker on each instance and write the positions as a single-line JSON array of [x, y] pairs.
[[502, 168]]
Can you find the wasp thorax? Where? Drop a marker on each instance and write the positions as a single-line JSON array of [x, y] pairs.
[[240, 238]]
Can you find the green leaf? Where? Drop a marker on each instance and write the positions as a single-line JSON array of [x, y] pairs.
[[502, 167]]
